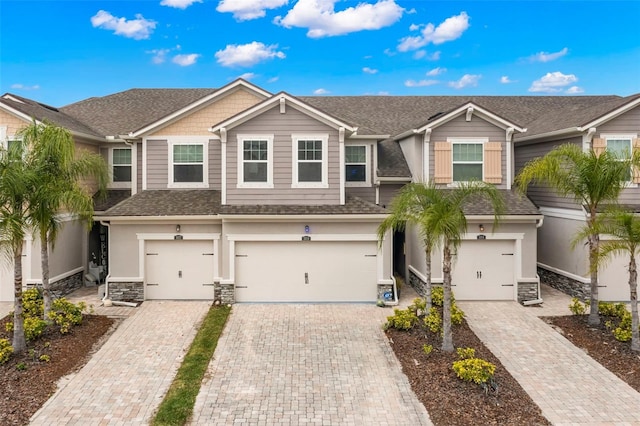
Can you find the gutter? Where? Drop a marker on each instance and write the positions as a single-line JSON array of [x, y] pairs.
[[106, 279], [570, 130]]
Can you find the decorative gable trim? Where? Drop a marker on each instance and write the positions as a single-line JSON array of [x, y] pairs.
[[468, 110], [611, 115], [223, 91]]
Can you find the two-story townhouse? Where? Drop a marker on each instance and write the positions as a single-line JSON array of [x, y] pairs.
[[238, 194], [596, 123]]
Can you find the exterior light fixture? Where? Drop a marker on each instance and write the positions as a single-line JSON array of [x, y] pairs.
[[177, 228], [307, 229], [481, 227]]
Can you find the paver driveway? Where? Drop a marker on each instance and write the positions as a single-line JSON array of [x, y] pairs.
[[319, 364], [125, 381]]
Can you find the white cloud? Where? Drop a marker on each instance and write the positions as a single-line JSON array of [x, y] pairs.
[[552, 82], [159, 55], [419, 54], [246, 55], [20, 86], [368, 70], [575, 90], [389, 52], [247, 76], [273, 79], [185, 60], [179, 4], [245, 10], [436, 71], [450, 29], [506, 80], [137, 29], [548, 57], [420, 83], [466, 80], [320, 91], [320, 17]]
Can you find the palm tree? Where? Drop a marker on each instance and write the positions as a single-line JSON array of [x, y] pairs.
[[439, 215], [592, 180], [16, 182], [624, 226], [59, 169], [409, 207]]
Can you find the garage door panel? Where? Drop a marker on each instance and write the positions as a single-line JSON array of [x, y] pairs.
[[306, 271], [484, 270], [179, 269]]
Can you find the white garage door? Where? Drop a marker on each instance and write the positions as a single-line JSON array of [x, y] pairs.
[[613, 280], [484, 270], [180, 269], [306, 271]]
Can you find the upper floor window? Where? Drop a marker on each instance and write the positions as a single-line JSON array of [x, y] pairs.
[[620, 147], [255, 166], [188, 166], [467, 161], [120, 161], [310, 161], [356, 160]]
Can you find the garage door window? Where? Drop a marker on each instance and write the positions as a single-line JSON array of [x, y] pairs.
[[255, 167], [310, 161]]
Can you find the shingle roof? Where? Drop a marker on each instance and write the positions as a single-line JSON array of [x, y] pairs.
[[133, 109], [43, 112], [391, 161], [515, 204], [110, 199], [178, 202], [353, 205]]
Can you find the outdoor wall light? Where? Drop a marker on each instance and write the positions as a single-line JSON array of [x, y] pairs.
[[307, 229], [481, 227], [177, 228]]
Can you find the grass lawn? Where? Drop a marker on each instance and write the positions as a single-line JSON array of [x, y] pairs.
[[177, 405]]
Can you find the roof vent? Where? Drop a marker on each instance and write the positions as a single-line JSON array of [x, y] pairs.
[[436, 115]]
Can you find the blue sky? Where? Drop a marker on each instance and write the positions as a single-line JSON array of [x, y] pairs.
[[59, 52]]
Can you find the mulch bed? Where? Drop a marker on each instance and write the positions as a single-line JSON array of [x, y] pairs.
[[25, 390], [599, 344], [451, 401]]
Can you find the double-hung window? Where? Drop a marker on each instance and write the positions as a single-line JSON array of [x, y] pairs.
[[120, 167], [255, 165], [620, 147], [356, 159], [467, 161], [310, 161], [188, 164]]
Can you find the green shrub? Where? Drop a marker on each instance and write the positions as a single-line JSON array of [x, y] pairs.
[[66, 314], [474, 370], [21, 366], [418, 306], [623, 331], [457, 315], [437, 296], [466, 353], [402, 319], [427, 349], [9, 327], [433, 321], [5, 350], [612, 310], [576, 307], [44, 358], [34, 327], [32, 303]]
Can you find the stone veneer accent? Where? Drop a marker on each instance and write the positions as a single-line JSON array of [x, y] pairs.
[[126, 291], [64, 286], [418, 285], [565, 284], [382, 289], [224, 293], [527, 291]]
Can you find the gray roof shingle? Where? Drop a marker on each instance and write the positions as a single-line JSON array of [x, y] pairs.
[[353, 205], [515, 204], [178, 202]]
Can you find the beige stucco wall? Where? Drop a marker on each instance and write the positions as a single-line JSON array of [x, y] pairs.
[[555, 246], [67, 253], [198, 122]]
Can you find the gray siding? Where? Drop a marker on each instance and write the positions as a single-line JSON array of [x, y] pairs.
[[388, 192], [139, 167], [541, 195], [157, 164], [282, 126], [554, 246], [215, 164], [476, 128]]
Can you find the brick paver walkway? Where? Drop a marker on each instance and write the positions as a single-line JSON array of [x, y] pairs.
[[568, 385], [299, 364], [125, 381]]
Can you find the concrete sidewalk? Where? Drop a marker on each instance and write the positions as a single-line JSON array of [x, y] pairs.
[[125, 381], [569, 386]]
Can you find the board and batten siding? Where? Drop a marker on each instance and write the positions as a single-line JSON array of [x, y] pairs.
[[215, 164], [541, 195], [157, 163], [476, 128], [282, 127], [198, 122]]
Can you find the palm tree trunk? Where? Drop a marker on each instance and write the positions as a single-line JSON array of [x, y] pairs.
[[19, 342], [447, 333], [594, 248], [44, 261], [427, 254], [633, 296]]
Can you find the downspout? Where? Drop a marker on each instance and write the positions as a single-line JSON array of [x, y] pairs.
[[106, 279], [539, 300]]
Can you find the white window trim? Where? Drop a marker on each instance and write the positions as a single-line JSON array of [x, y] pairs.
[[367, 165], [631, 137], [324, 137], [189, 140], [454, 141], [241, 183], [121, 185]]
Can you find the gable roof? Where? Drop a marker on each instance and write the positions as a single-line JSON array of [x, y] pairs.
[[28, 110]]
